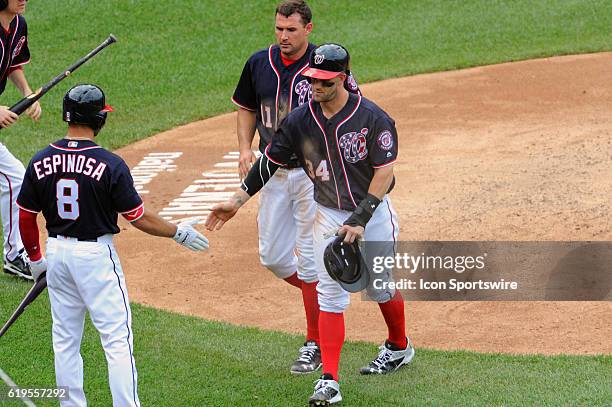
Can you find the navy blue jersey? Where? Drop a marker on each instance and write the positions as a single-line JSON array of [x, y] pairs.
[[79, 187], [272, 90], [339, 154], [15, 50]]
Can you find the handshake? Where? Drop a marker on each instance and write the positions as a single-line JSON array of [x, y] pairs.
[[187, 236]]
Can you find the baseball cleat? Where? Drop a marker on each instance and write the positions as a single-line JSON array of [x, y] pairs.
[[20, 266], [309, 360], [326, 392], [389, 359]]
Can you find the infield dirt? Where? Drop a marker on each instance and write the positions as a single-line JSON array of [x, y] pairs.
[[517, 151]]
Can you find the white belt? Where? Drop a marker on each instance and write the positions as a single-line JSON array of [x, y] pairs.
[[107, 238]]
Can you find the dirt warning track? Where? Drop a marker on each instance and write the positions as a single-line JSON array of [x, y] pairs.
[[518, 151]]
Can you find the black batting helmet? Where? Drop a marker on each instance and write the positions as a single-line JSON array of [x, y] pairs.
[[4, 4], [328, 61], [344, 264], [86, 104]]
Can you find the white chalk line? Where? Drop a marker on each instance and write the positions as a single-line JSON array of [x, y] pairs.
[[10, 383]]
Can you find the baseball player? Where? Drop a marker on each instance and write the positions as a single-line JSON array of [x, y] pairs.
[[271, 85], [15, 54], [80, 188], [347, 145]]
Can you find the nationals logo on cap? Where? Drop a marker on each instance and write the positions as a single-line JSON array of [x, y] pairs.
[[318, 59]]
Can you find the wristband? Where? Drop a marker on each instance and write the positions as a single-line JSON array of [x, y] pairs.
[[363, 212], [258, 175]]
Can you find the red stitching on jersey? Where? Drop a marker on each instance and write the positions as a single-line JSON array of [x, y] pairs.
[[26, 209], [14, 34], [73, 149], [10, 210], [242, 106], [134, 214], [8, 65], [331, 165], [385, 165], [340, 153], [266, 154], [23, 63], [10, 52], [2, 58], [278, 81], [393, 226], [132, 210]]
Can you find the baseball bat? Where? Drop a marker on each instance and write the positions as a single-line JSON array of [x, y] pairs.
[[29, 100], [34, 292]]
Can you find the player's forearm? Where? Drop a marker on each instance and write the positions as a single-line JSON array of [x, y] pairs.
[[155, 225], [381, 181], [239, 198], [28, 229], [246, 125], [18, 78]]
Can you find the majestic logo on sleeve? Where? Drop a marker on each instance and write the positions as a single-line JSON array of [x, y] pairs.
[[19, 45], [354, 145], [385, 140], [304, 91]]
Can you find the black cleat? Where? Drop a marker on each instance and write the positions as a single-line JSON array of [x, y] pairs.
[[326, 392], [389, 360], [309, 360], [20, 266]]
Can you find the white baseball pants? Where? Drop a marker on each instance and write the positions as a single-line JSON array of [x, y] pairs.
[[286, 215], [87, 276], [382, 227], [11, 177]]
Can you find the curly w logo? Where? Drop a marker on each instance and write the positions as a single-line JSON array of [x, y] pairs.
[[354, 146]]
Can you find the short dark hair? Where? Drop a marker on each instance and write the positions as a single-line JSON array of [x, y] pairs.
[[288, 7]]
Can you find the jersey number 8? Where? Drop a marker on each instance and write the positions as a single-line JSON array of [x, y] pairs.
[[67, 193]]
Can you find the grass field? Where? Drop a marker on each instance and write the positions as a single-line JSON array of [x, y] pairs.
[[178, 61], [187, 361]]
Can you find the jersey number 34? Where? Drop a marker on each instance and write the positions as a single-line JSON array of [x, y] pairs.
[[320, 172]]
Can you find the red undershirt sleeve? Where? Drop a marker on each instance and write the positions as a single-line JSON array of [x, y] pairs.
[[29, 234], [12, 69]]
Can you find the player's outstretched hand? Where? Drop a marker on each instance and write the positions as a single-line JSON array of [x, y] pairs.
[[220, 214], [34, 111], [187, 236], [38, 267], [7, 117], [351, 233], [245, 162]]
